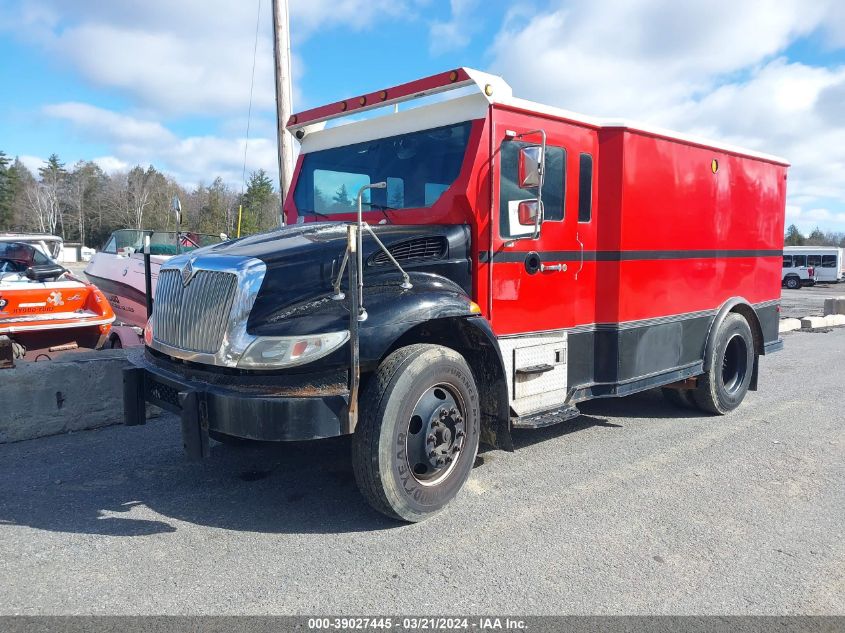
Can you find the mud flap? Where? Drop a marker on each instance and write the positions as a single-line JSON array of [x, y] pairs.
[[194, 424], [134, 406]]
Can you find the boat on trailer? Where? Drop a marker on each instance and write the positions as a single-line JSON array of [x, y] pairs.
[[44, 309], [118, 270]]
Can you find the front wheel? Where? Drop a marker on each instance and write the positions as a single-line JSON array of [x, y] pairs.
[[793, 283], [418, 432]]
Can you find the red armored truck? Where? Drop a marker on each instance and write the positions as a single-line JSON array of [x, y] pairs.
[[458, 269]]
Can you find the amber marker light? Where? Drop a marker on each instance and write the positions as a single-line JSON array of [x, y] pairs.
[[362, 101], [474, 308], [453, 76], [383, 95], [714, 165], [488, 90], [343, 106]]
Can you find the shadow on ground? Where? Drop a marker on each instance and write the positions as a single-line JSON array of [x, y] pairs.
[[135, 481]]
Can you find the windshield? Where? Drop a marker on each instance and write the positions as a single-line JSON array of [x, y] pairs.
[[417, 167], [18, 256], [127, 241]]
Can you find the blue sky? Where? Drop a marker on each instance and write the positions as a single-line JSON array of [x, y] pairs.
[[167, 83]]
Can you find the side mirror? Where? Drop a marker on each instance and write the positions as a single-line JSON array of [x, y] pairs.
[[528, 213], [530, 168]]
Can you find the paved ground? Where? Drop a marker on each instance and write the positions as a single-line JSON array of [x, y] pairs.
[[635, 507], [808, 301]]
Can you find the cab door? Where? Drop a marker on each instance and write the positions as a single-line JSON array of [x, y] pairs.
[[543, 286]]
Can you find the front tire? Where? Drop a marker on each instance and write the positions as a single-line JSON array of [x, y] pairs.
[[418, 432], [793, 283], [728, 367]]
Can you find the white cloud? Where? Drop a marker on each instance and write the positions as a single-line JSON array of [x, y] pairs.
[[185, 57], [455, 33], [111, 164], [139, 141], [714, 69]]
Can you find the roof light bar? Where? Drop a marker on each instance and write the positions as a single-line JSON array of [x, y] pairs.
[[441, 82]]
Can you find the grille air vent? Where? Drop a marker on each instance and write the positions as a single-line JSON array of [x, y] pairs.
[[418, 249]]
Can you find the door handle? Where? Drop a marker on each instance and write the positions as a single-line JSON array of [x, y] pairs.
[[581, 244], [552, 268]]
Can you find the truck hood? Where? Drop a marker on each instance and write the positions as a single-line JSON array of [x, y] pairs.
[[303, 261]]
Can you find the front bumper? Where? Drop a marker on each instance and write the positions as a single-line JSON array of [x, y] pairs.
[[258, 412]]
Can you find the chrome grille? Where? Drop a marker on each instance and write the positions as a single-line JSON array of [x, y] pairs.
[[193, 317]]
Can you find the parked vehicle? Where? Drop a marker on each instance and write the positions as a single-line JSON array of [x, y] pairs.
[[50, 245], [827, 261], [118, 270], [44, 309], [506, 261], [797, 274]]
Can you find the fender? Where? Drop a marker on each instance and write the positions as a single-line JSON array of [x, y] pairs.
[[742, 306]]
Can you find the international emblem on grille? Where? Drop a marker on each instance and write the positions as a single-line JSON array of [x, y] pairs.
[[187, 272]]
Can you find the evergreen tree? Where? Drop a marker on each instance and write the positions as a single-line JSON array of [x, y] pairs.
[[794, 237], [341, 200], [816, 238], [259, 204], [6, 193]]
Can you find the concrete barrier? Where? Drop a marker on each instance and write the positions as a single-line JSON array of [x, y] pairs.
[[72, 393], [834, 305], [812, 322], [788, 325]]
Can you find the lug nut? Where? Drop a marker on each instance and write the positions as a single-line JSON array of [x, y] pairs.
[[431, 437], [459, 434], [453, 410], [441, 462], [443, 413]]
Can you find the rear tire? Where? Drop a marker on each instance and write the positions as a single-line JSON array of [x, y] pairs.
[[728, 367], [418, 432]]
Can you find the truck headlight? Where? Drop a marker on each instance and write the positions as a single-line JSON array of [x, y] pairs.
[[275, 352]]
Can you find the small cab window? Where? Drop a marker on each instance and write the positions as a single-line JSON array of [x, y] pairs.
[[799, 260], [814, 260], [337, 191], [111, 246], [787, 261], [828, 261], [510, 193], [585, 188]]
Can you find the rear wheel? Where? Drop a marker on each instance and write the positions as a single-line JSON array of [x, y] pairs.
[[793, 283], [728, 367], [418, 432]]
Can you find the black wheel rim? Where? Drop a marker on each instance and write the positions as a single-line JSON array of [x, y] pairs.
[[436, 434], [734, 364]]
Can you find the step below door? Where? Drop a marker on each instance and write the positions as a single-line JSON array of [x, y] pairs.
[[536, 367]]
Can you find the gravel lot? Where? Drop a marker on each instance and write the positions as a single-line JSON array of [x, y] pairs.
[[635, 507], [808, 301]]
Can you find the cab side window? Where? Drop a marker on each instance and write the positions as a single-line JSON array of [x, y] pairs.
[[585, 188], [554, 185], [787, 261]]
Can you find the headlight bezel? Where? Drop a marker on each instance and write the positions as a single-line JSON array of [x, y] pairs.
[[257, 357]]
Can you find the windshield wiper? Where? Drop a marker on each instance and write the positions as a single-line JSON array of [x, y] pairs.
[[317, 213], [384, 208]]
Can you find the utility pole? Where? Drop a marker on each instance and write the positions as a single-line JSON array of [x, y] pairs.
[[281, 55]]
